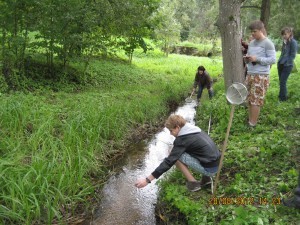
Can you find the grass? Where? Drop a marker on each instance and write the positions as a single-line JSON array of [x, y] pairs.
[[261, 165], [56, 144]]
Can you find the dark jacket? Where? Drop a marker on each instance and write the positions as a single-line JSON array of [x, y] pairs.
[[203, 80], [194, 142], [288, 53]]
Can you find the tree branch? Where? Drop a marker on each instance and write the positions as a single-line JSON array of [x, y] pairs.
[[251, 6]]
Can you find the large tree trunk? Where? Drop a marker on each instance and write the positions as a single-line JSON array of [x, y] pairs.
[[265, 12], [229, 26]]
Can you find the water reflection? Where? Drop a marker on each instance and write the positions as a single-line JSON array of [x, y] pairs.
[[122, 202]]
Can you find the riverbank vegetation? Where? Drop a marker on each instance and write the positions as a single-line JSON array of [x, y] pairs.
[[260, 168], [57, 141], [81, 79]]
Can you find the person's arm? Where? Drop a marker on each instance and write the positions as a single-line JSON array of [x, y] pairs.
[[143, 182], [164, 166], [293, 50], [270, 57], [196, 81]]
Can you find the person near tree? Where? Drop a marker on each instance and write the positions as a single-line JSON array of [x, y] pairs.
[[286, 60], [245, 45], [260, 56], [192, 148], [203, 80]]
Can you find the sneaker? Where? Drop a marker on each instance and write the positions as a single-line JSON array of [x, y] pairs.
[[206, 180], [193, 185]]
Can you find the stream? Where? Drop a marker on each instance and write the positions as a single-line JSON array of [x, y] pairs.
[[122, 202]]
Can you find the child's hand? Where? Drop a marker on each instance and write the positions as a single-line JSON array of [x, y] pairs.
[[141, 183]]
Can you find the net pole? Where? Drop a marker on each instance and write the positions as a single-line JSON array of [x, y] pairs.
[[223, 149]]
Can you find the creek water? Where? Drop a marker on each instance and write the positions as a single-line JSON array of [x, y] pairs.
[[124, 204]]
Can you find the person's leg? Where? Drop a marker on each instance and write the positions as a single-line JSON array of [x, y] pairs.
[[284, 75], [279, 70], [185, 162], [210, 93], [184, 169], [254, 111], [257, 89], [191, 162], [199, 94]]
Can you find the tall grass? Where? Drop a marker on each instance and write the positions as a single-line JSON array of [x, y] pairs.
[[53, 144]]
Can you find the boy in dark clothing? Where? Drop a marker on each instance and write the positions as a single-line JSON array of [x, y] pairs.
[[202, 80], [192, 148]]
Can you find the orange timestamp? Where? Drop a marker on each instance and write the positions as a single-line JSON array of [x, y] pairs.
[[244, 201]]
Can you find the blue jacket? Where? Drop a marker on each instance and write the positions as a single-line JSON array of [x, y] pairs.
[[288, 53]]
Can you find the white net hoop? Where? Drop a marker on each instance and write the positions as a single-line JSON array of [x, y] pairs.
[[188, 99], [236, 93]]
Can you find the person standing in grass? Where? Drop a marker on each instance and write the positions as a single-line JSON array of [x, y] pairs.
[[203, 80], [260, 56], [286, 60], [192, 148]]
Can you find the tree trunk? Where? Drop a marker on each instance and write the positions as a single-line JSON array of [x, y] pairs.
[[265, 12], [229, 26]]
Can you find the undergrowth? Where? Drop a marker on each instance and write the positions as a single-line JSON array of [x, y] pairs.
[[58, 136], [260, 167]]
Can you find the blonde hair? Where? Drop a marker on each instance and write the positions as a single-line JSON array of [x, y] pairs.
[[175, 120]]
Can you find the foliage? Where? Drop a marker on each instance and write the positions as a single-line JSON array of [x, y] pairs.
[[205, 47], [260, 166], [284, 13], [68, 31], [56, 145], [167, 27]]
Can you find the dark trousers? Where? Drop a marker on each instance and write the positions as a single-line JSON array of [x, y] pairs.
[[283, 73], [200, 90]]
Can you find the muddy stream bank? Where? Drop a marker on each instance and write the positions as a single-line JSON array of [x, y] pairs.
[[124, 204]]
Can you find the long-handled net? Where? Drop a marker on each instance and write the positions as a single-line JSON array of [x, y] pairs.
[[236, 94], [189, 99]]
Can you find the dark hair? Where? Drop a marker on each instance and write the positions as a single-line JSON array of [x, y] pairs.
[[257, 25], [287, 29], [201, 68]]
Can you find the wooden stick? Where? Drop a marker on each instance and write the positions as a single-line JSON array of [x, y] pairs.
[[224, 148]]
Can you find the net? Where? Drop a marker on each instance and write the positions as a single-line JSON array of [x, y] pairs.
[[236, 93]]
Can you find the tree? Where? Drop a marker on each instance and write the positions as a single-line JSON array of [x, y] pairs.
[[265, 12], [285, 13], [167, 28], [230, 30]]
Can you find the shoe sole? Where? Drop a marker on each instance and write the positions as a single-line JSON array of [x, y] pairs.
[[208, 183], [195, 189]]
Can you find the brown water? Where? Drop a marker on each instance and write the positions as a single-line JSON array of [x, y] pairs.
[[123, 203]]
